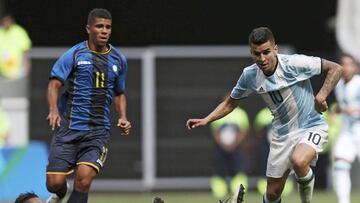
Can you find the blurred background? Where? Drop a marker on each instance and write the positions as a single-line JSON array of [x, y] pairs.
[[183, 56]]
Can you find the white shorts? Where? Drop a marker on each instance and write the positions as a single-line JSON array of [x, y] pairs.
[[281, 148], [348, 146]]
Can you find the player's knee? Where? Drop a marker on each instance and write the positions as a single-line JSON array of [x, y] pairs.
[[54, 186], [299, 164], [55, 182], [82, 184]]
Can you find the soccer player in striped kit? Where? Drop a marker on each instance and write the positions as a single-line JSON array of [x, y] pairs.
[[95, 74], [298, 128], [347, 148]]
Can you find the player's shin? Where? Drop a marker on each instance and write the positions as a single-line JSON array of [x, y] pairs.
[[78, 197], [306, 186]]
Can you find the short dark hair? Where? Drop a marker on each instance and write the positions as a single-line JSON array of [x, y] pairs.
[[98, 13], [261, 35], [23, 197]]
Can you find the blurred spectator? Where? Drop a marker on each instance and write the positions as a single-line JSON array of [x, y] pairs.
[[14, 60], [28, 197], [228, 133], [4, 133], [347, 145], [323, 169], [4, 127]]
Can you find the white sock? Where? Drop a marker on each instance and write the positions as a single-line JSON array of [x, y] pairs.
[[306, 186], [343, 182]]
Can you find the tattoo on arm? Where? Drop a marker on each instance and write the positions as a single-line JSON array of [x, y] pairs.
[[333, 73]]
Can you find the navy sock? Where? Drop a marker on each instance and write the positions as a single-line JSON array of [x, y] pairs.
[[61, 192], [78, 197]]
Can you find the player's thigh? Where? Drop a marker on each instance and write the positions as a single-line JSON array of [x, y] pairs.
[[311, 142], [63, 152], [303, 155], [316, 137], [85, 173], [93, 151], [278, 160]]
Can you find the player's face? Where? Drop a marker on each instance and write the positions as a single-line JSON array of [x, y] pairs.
[[350, 67], [264, 56], [99, 32]]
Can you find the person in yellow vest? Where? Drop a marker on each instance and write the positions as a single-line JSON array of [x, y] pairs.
[[262, 127], [14, 45], [14, 60], [228, 133]]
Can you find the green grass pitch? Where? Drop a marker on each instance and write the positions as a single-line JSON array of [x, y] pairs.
[[204, 197]]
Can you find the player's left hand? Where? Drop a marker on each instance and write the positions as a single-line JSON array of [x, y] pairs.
[[125, 126]]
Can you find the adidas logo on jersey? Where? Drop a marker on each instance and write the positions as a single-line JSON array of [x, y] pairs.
[[261, 89], [83, 63]]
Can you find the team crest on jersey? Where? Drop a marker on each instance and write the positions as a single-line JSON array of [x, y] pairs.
[[115, 68]]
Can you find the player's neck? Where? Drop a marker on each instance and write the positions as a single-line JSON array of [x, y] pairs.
[[100, 49]]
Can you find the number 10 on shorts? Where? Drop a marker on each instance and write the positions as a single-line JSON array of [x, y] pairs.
[[314, 138]]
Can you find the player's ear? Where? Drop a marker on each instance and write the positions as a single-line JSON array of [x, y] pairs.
[[88, 29], [276, 48]]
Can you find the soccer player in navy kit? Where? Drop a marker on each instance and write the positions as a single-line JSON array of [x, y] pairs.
[[298, 129], [95, 74]]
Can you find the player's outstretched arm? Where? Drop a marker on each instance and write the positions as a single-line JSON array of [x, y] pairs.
[[333, 72], [220, 111]]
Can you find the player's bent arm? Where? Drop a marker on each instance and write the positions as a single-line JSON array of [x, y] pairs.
[[333, 72], [224, 108]]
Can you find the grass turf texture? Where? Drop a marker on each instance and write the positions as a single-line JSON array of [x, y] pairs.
[[204, 197]]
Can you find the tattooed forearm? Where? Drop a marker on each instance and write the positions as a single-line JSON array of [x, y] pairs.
[[333, 73]]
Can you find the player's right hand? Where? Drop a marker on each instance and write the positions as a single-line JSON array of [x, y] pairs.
[[54, 119], [195, 122]]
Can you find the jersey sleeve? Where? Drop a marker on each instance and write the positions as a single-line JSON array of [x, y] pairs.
[[305, 67], [121, 78], [241, 89], [63, 66]]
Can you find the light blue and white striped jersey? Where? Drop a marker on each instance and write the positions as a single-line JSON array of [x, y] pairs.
[[348, 96], [287, 92]]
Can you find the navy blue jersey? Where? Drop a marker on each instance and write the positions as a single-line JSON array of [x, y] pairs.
[[92, 80]]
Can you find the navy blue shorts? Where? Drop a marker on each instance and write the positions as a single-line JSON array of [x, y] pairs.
[[70, 148]]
